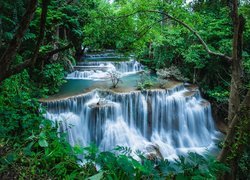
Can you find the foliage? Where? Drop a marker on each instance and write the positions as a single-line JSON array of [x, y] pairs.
[[171, 73], [219, 94], [52, 77], [121, 164], [30, 146], [145, 82], [41, 155], [244, 166]]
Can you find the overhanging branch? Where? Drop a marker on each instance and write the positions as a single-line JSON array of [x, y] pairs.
[[204, 44], [55, 51], [209, 51], [20, 67]]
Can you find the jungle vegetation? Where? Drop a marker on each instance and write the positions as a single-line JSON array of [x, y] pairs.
[[206, 40]]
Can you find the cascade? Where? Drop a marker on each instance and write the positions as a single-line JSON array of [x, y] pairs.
[[171, 121], [100, 69]]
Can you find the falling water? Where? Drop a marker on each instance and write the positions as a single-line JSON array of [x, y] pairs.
[[99, 69], [170, 121], [173, 120]]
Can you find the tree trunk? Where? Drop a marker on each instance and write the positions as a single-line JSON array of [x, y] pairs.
[[229, 140], [1, 32], [78, 53], [15, 43], [40, 38], [234, 107], [7, 58], [234, 99]]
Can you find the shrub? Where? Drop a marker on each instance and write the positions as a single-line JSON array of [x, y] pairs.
[[115, 78], [122, 165], [171, 73], [145, 82], [52, 77]]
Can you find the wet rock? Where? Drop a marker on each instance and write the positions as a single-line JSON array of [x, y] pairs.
[[153, 152], [101, 104]]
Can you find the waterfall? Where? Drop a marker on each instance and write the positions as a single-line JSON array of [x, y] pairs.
[[174, 120], [97, 70], [80, 74], [167, 121]]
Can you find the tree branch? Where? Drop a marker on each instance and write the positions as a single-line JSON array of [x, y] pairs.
[[147, 28], [15, 70], [204, 44], [15, 43], [20, 67], [7, 72], [195, 33], [55, 51], [45, 4]]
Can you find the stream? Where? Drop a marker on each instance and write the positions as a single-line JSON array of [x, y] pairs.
[[166, 122]]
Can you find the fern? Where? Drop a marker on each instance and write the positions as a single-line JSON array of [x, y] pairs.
[[123, 150], [7, 20], [8, 35], [29, 36]]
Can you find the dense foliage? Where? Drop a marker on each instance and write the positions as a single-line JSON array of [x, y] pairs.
[[32, 148]]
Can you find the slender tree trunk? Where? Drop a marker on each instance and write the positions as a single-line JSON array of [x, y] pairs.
[[40, 38], [15, 43], [194, 76], [78, 53], [1, 32], [150, 51], [234, 99]]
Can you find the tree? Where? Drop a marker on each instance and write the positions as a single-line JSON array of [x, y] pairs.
[[43, 32], [115, 78], [6, 70]]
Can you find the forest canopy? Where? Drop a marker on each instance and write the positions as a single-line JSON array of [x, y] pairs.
[[204, 42]]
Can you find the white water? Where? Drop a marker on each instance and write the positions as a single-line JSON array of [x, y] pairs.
[[170, 122], [96, 70], [166, 119]]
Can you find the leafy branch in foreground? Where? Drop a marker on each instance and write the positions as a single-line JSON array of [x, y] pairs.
[[121, 164]]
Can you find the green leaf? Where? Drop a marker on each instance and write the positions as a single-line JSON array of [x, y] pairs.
[[43, 143], [11, 157], [97, 176], [181, 177], [42, 135]]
